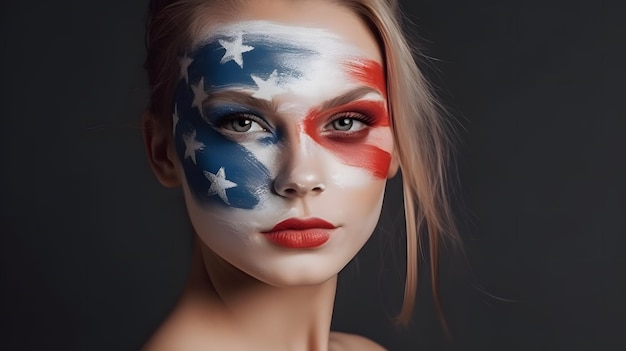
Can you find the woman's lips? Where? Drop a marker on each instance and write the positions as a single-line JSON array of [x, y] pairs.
[[297, 233]]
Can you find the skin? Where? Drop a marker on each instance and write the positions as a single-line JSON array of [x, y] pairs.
[[243, 290]]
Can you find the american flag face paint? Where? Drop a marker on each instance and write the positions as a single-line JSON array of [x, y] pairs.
[[253, 92], [279, 125]]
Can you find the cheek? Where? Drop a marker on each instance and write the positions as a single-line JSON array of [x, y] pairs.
[[360, 208], [339, 174], [219, 171], [368, 197], [371, 153], [364, 156]]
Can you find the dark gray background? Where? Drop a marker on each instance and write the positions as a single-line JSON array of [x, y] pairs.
[[94, 251]]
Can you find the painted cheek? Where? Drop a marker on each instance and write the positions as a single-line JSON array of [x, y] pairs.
[[220, 171], [368, 157]]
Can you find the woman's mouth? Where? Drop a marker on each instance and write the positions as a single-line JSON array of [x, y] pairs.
[[294, 233]]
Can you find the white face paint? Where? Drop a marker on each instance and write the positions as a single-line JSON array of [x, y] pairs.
[[284, 138]]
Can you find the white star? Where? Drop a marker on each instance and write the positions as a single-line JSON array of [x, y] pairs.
[[184, 65], [219, 184], [234, 49], [199, 95], [191, 146], [267, 88], [175, 118]]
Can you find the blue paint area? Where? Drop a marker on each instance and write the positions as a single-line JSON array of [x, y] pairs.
[[240, 165], [266, 57]]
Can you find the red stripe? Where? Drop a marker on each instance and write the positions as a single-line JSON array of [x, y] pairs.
[[369, 72], [352, 149], [366, 156]]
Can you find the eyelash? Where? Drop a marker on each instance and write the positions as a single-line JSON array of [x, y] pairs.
[[225, 124], [356, 116], [227, 121]]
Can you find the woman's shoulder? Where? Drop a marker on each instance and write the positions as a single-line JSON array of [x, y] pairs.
[[178, 334], [192, 325], [349, 342], [175, 336]]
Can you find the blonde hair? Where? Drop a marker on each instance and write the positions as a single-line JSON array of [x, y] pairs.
[[418, 127]]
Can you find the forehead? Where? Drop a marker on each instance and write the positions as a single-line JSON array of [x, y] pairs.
[[304, 36], [292, 58], [302, 21]]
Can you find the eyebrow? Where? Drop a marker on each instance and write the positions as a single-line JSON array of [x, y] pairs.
[[244, 98], [348, 97], [240, 97]]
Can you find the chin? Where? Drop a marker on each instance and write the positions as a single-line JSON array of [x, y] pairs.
[[293, 275], [286, 269]]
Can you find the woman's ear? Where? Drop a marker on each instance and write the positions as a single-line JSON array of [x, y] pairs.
[[161, 151], [394, 165]]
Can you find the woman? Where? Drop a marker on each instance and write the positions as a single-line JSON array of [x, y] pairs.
[[282, 121]]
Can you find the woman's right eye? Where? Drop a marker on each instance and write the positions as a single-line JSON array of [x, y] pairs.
[[243, 124]]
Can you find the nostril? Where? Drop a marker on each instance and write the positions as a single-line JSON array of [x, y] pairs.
[[299, 191], [296, 189], [318, 189]]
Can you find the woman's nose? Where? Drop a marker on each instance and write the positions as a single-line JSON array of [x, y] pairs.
[[301, 172]]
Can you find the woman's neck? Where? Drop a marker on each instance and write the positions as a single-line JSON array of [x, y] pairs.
[[293, 318]]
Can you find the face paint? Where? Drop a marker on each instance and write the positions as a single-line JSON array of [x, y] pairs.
[[356, 148], [261, 107], [256, 62]]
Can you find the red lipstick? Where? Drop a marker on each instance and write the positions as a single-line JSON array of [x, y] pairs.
[[294, 233]]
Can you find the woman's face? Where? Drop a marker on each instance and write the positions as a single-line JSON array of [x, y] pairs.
[[283, 136]]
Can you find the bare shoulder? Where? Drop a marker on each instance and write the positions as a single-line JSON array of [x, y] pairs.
[[174, 337], [178, 334], [189, 328], [350, 342]]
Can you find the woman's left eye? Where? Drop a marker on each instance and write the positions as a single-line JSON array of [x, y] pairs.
[[348, 123]]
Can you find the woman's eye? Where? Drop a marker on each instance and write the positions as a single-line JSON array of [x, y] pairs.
[[347, 124], [243, 125], [343, 124]]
